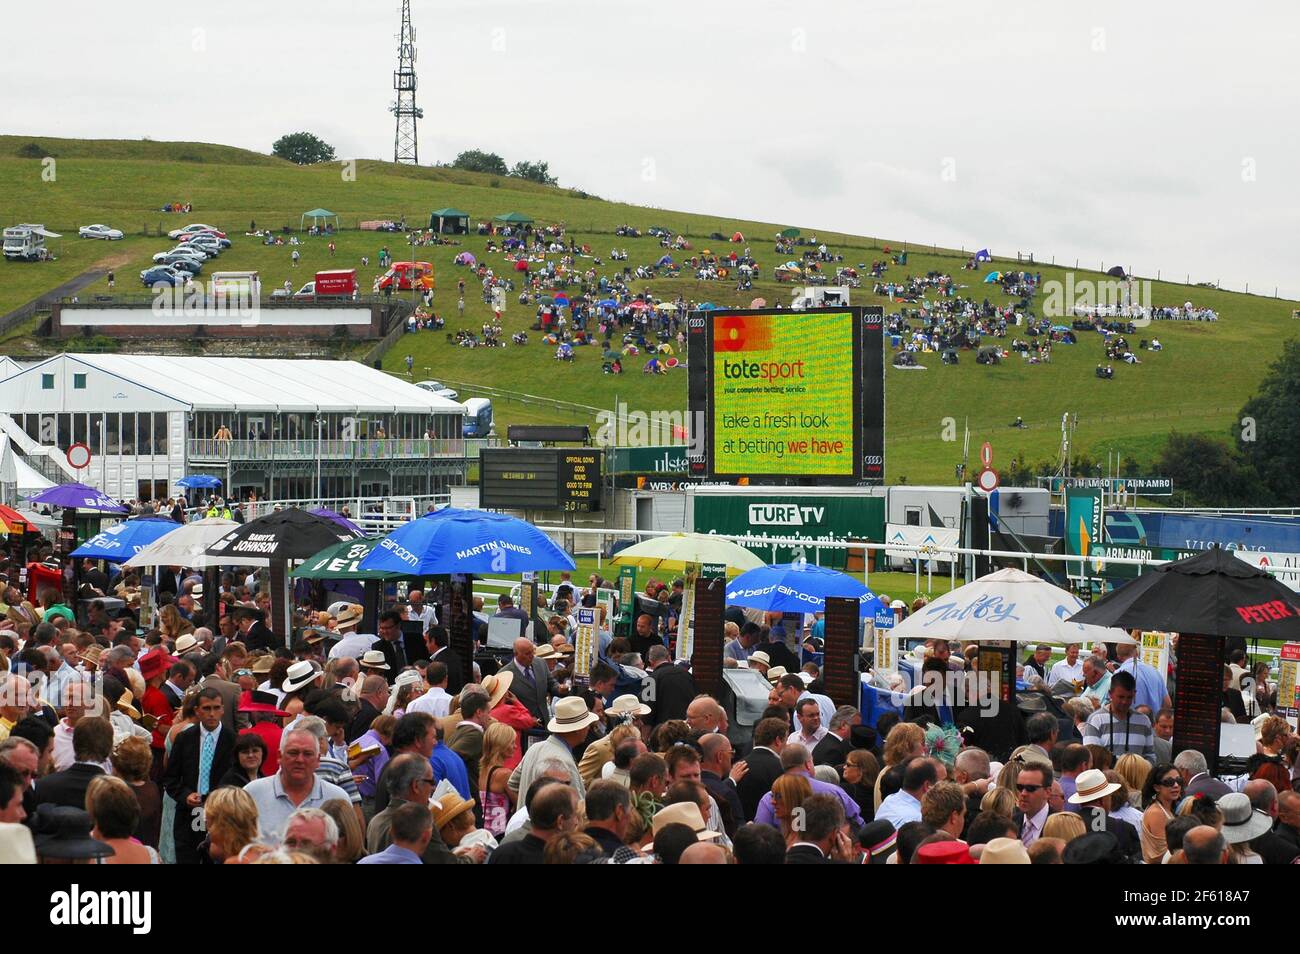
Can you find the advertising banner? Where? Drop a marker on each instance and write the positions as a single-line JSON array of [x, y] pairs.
[[926, 540], [811, 518]]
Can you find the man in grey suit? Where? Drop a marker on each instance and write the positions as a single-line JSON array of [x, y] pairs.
[[533, 682]]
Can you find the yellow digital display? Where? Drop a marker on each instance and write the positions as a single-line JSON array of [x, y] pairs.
[[783, 394]]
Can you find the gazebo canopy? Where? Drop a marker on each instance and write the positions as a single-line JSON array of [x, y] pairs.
[[316, 216], [449, 220], [515, 218]]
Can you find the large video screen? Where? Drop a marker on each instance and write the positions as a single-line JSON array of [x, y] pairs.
[[783, 394], [788, 395]]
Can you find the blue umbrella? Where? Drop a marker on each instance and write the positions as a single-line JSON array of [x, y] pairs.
[[199, 482], [452, 540], [708, 306], [126, 539], [799, 588], [607, 303], [78, 497]]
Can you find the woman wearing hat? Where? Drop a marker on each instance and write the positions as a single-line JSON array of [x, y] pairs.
[[1242, 824], [62, 836], [509, 710]]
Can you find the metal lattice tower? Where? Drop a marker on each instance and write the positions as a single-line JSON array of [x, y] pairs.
[[405, 144]]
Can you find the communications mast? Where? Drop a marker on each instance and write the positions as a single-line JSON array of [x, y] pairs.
[[405, 144]]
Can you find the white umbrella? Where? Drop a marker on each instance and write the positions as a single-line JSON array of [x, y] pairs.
[[1008, 604], [184, 547]]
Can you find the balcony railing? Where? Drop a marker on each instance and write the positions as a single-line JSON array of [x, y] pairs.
[[390, 448]]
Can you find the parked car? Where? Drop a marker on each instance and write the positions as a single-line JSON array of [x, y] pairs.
[[194, 254], [193, 228], [437, 388], [164, 275], [99, 232], [183, 263], [210, 249], [205, 238]]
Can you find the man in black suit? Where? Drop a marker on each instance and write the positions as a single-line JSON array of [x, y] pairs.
[[92, 744], [673, 687], [373, 698], [1288, 817], [718, 777], [201, 756], [437, 640], [822, 837], [169, 580], [1272, 847], [1033, 790], [179, 678], [834, 747], [532, 683], [253, 631], [764, 762], [391, 643], [778, 653]]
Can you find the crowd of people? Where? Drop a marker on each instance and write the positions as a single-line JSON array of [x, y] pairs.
[[193, 736]]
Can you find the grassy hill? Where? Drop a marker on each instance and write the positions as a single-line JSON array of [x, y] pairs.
[[1197, 384]]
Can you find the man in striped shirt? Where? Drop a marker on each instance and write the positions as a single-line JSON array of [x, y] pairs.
[[1117, 727]]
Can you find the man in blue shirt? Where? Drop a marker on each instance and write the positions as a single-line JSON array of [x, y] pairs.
[[1151, 691], [412, 829], [447, 764]]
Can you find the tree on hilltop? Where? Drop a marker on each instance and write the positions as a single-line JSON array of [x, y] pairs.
[[303, 148]]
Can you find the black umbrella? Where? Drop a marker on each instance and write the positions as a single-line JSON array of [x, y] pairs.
[[281, 535], [1214, 593]]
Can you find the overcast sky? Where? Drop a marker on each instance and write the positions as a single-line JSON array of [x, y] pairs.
[[1156, 135]]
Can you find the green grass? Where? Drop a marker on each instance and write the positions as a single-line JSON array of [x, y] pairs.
[[900, 586], [1197, 384]]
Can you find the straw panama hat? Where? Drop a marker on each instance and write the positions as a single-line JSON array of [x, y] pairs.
[[496, 686], [349, 617], [1090, 786], [300, 674], [571, 715], [1004, 851], [683, 813], [628, 704], [448, 808]]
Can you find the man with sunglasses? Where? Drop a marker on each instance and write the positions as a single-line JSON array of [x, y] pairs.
[[1033, 786]]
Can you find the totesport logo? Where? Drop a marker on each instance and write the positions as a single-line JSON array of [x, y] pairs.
[[740, 333]]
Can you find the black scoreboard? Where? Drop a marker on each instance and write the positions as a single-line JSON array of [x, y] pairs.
[[547, 478]]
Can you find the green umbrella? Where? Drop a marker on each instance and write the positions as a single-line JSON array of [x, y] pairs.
[[546, 300], [340, 561], [789, 233]]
